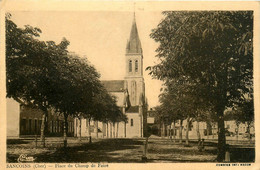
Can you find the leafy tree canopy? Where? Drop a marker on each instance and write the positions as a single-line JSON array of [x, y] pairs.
[[213, 51], [43, 74]]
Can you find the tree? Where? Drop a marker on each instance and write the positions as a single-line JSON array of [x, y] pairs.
[[77, 82], [243, 113], [43, 75], [29, 74], [247, 115], [213, 50], [170, 110], [104, 108], [179, 102]]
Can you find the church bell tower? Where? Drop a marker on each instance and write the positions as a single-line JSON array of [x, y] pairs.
[[134, 66]]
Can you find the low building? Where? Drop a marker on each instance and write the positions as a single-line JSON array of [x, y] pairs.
[[26, 121], [13, 118], [240, 128], [151, 116]]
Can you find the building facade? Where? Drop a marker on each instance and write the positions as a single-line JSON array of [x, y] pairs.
[[31, 121], [207, 130], [26, 121], [13, 118]]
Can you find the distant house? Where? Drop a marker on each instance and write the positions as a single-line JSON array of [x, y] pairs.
[[193, 128], [204, 128], [151, 116], [152, 126], [13, 118], [231, 126], [26, 121]]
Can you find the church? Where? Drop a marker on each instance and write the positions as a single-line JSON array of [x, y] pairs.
[[133, 84], [130, 94]]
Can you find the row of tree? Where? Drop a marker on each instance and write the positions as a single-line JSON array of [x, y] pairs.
[[206, 63], [44, 75]]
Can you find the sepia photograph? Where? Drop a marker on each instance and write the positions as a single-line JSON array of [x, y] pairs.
[[129, 86]]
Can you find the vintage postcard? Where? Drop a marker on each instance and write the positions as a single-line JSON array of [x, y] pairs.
[[129, 84]]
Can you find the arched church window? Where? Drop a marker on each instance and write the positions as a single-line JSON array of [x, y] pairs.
[[136, 65], [132, 122], [130, 66]]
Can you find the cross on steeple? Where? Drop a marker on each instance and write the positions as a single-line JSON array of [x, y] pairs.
[[134, 10]]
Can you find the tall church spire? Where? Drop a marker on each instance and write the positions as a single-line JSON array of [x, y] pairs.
[[134, 66], [134, 45]]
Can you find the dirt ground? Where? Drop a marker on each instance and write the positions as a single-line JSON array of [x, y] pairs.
[[123, 151]]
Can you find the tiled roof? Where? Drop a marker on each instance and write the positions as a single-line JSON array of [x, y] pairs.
[[114, 85], [133, 109], [134, 45]]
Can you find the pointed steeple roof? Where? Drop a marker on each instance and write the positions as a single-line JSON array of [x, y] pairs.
[[133, 45]]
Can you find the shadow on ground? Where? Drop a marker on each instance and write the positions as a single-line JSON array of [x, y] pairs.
[[107, 150], [242, 154], [131, 150], [17, 141]]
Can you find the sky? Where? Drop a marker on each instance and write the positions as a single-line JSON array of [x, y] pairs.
[[101, 37]]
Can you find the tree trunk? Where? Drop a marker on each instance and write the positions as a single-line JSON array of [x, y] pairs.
[[96, 128], [173, 131], [180, 132], [88, 124], [76, 128], [163, 130], [208, 128], [198, 130], [220, 114], [107, 131], [145, 148], [221, 137], [248, 130], [79, 129], [111, 130], [187, 130], [117, 129], [104, 129], [125, 129], [89, 131], [237, 131], [114, 130], [167, 131], [44, 127], [213, 125], [65, 130], [141, 126]]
